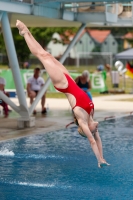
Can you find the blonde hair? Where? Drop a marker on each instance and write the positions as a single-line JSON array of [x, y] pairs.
[[81, 132]]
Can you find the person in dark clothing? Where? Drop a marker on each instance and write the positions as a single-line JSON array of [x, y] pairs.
[[84, 83]]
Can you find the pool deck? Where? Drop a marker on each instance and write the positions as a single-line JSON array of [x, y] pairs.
[[59, 115]]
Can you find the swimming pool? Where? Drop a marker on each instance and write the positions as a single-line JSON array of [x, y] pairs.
[[60, 165]]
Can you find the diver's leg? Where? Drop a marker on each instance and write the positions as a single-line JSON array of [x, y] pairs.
[[53, 67]]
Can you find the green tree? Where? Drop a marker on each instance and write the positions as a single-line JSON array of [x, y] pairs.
[[22, 50], [44, 35], [2, 45]]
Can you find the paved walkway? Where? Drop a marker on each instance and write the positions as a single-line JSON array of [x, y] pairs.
[[60, 114]]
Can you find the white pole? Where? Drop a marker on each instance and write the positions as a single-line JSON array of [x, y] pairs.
[[14, 63]]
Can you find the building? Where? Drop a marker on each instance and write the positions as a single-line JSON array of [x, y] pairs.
[[127, 41], [89, 41]]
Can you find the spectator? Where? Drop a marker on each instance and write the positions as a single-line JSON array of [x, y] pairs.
[[84, 83], [100, 68], [104, 70], [108, 69], [26, 65], [34, 85], [2, 103]]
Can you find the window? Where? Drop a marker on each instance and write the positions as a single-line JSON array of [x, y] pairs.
[[113, 43]]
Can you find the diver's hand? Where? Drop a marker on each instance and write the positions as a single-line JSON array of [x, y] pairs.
[[106, 162], [103, 164]]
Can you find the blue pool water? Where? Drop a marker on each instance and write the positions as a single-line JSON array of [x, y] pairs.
[[60, 165]]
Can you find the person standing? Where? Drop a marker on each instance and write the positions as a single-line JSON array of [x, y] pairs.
[[34, 85]]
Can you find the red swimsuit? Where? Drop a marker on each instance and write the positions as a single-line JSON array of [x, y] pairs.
[[82, 99]]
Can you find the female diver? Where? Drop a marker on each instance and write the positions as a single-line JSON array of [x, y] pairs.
[[82, 106]]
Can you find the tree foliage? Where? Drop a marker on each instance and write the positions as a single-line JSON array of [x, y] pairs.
[[22, 50], [42, 35], [2, 44]]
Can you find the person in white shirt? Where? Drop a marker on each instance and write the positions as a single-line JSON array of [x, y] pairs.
[[34, 85]]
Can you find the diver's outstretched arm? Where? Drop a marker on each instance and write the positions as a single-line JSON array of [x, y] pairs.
[[91, 139], [99, 143]]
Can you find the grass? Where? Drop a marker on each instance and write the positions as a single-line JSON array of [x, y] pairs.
[[80, 69], [4, 67], [63, 96], [55, 95]]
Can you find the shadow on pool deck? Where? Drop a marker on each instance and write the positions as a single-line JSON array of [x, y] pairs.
[[60, 115]]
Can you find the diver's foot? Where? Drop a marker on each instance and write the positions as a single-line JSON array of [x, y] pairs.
[[34, 112], [44, 111], [105, 162], [22, 28]]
